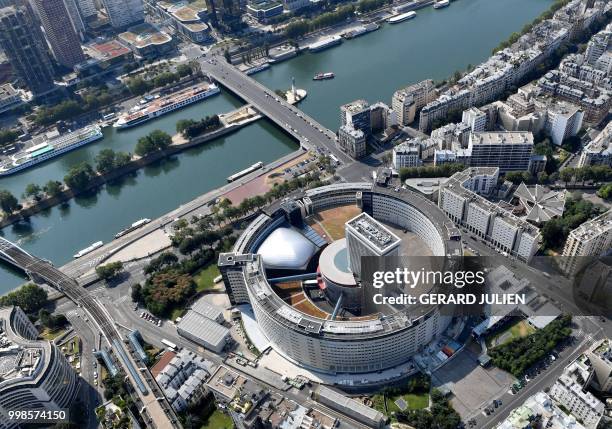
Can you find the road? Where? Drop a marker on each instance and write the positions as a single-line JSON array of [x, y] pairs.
[[306, 130], [156, 411]]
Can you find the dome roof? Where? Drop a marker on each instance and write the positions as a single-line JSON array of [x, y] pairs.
[[286, 249]]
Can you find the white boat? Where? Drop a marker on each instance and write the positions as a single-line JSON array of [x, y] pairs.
[[440, 4], [401, 17], [161, 106], [325, 43], [133, 227], [246, 171], [49, 148], [88, 249]]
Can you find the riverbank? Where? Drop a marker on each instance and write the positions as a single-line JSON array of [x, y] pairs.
[[432, 46], [231, 122]]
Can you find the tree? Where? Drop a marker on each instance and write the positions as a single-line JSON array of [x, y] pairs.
[[138, 86], [79, 176], [105, 161], [183, 124], [52, 188], [605, 192], [8, 202], [137, 293], [32, 190], [156, 140], [30, 298], [184, 70], [7, 137], [122, 159], [109, 271], [566, 175]]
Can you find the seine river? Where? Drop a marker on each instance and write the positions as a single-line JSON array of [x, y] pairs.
[[433, 45]]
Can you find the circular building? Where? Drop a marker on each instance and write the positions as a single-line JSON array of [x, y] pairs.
[[337, 278], [288, 311]]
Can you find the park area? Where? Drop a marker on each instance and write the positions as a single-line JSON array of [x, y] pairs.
[[412, 395], [204, 278], [514, 331]]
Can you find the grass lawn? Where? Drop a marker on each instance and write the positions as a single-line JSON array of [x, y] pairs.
[[378, 402], [218, 420], [176, 312], [516, 330], [51, 334], [204, 278], [415, 401]]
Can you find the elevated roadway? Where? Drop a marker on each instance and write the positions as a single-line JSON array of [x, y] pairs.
[[302, 127], [156, 410]]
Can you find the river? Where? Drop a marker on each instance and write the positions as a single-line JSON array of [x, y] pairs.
[[372, 67]]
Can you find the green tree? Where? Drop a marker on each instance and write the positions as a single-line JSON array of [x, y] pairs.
[[32, 190], [184, 70], [605, 192], [122, 159], [79, 176], [138, 85], [8, 202], [52, 188], [183, 124], [566, 175], [29, 297], [105, 161], [109, 271], [8, 136]]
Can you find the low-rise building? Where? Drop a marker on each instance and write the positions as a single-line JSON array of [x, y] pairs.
[[262, 10], [9, 98], [542, 409], [146, 40], [204, 331], [183, 379]]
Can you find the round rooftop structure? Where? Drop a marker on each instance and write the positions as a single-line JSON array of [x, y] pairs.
[[294, 326], [286, 249], [334, 265]]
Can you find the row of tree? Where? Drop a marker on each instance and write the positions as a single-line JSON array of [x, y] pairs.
[[155, 141], [520, 354], [139, 85], [303, 26], [190, 128]]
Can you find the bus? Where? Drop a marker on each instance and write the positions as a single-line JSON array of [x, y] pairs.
[[169, 344]]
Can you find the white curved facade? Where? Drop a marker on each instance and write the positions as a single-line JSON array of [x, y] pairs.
[[286, 248], [49, 383], [348, 346]]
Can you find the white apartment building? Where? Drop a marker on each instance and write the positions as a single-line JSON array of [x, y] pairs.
[[460, 200], [563, 120], [510, 151], [407, 101], [406, 155], [599, 150], [592, 238], [569, 392], [352, 141], [475, 118]]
